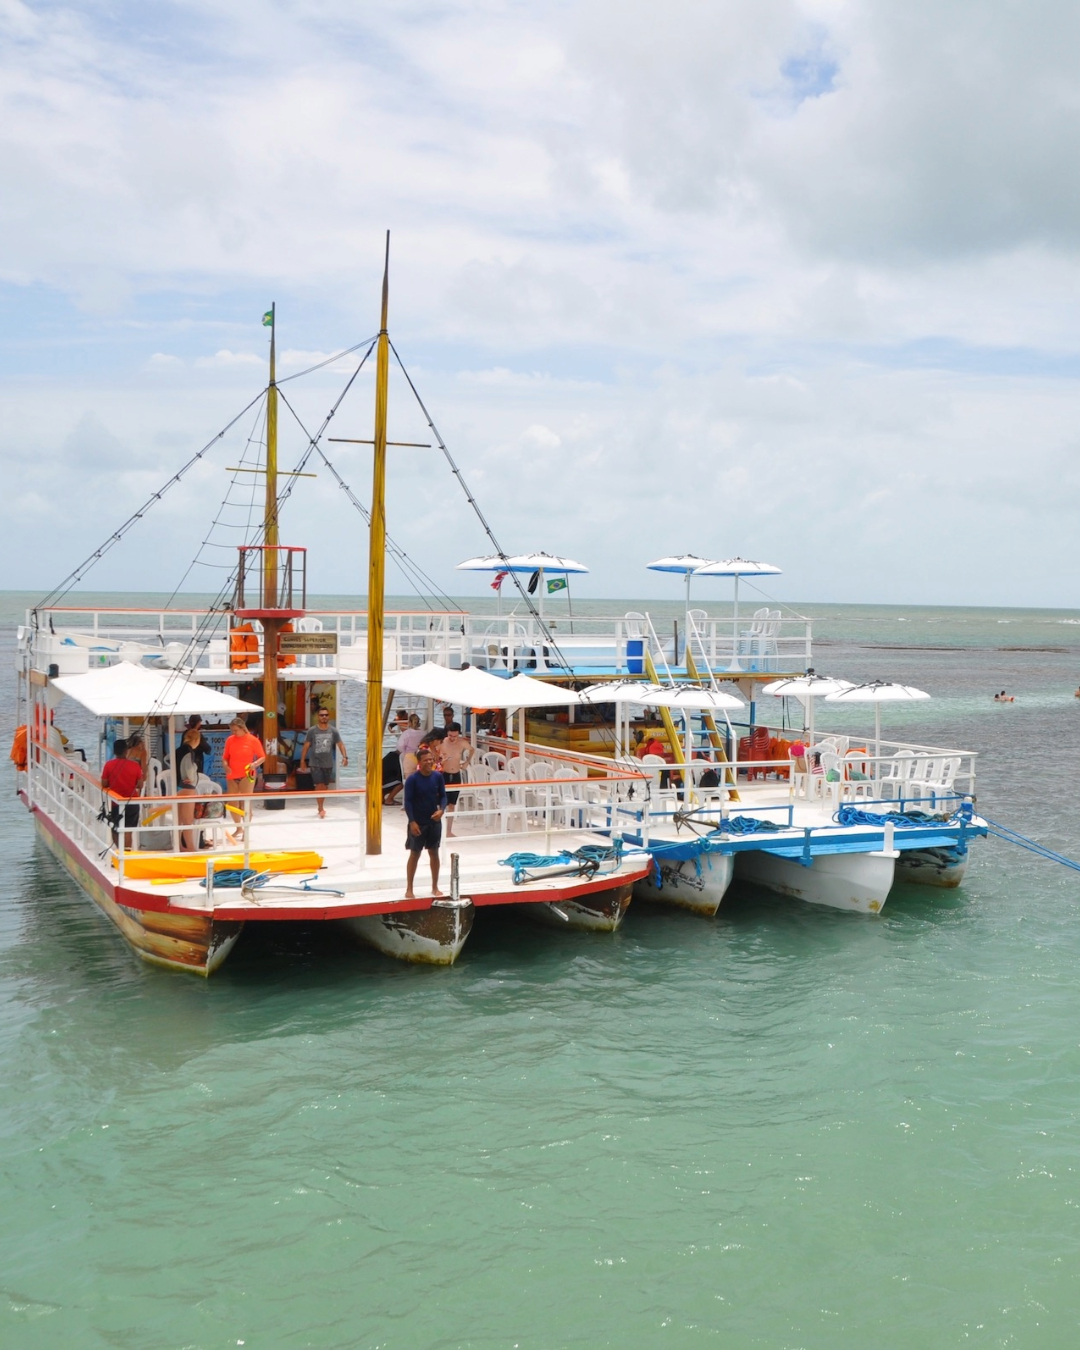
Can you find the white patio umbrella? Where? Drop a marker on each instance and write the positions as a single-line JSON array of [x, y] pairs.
[[737, 567], [687, 698], [488, 563], [540, 563], [686, 564], [620, 692], [806, 688], [877, 692]]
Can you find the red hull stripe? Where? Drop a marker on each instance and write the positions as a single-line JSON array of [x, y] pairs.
[[536, 893]]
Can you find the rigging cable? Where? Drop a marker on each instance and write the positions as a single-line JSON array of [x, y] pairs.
[[330, 360], [201, 635], [544, 629], [413, 573], [73, 578], [217, 522]]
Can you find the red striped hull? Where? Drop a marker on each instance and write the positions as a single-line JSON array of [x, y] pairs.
[[194, 943]]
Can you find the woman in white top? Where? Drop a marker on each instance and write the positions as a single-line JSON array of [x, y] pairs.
[[407, 745]]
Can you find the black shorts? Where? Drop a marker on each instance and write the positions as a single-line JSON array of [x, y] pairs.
[[430, 836], [131, 815], [322, 775], [450, 779]]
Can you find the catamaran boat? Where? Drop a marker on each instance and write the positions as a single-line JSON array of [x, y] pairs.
[[182, 892], [831, 819]]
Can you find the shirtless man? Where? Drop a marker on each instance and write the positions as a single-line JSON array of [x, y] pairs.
[[455, 755]]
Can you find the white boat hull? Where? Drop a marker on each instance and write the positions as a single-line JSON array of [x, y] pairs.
[[432, 937], [856, 882], [600, 912], [697, 886], [943, 867]]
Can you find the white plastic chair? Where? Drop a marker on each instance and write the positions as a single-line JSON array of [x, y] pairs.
[[832, 781], [511, 813], [859, 762], [309, 624], [932, 780], [667, 796], [895, 773], [567, 803]]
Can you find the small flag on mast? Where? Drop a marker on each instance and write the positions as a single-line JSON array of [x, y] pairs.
[[268, 319], [500, 577]]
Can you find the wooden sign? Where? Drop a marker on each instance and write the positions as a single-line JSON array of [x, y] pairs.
[[307, 644]]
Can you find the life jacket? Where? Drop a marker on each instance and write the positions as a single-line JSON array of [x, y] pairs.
[[243, 647], [287, 660], [18, 747]]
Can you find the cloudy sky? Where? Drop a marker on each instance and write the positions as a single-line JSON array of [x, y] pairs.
[[793, 279]]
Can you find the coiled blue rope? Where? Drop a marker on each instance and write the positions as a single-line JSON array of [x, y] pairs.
[[246, 878], [585, 861], [232, 878], [851, 815], [751, 825]]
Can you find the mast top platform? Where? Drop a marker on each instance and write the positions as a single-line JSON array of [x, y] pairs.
[[286, 568]]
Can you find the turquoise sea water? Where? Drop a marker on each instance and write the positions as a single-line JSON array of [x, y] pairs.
[[786, 1127]]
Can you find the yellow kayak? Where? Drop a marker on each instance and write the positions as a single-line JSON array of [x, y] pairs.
[[179, 866]]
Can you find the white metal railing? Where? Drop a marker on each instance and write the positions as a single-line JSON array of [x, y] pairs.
[[508, 643], [196, 638], [545, 803]]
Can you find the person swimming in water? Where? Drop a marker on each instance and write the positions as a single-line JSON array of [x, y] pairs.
[[1003, 697]]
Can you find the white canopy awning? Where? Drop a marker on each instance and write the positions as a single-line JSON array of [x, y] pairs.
[[529, 693], [125, 690], [474, 688]]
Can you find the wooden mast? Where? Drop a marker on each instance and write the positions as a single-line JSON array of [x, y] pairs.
[[271, 627], [376, 580]]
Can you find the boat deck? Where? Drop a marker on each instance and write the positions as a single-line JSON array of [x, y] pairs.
[[807, 827], [377, 884]]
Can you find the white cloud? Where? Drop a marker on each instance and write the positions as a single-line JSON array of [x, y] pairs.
[[163, 363], [226, 360], [776, 278]]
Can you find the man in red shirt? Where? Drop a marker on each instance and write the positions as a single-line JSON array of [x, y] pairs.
[[121, 778]]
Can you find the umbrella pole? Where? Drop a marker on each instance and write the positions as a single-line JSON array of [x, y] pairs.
[[735, 629], [520, 715], [540, 592], [877, 730]]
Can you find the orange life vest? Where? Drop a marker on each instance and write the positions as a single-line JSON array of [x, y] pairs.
[[18, 747], [287, 660], [243, 647]]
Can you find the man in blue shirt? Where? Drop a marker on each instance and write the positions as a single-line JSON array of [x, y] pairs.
[[425, 802]]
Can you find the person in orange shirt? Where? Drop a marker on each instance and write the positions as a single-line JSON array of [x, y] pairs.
[[242, 754]]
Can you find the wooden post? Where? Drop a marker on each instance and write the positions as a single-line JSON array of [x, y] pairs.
[[377, 579]]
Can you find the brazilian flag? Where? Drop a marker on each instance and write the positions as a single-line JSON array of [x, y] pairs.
[[556, 584], [268, 319]]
